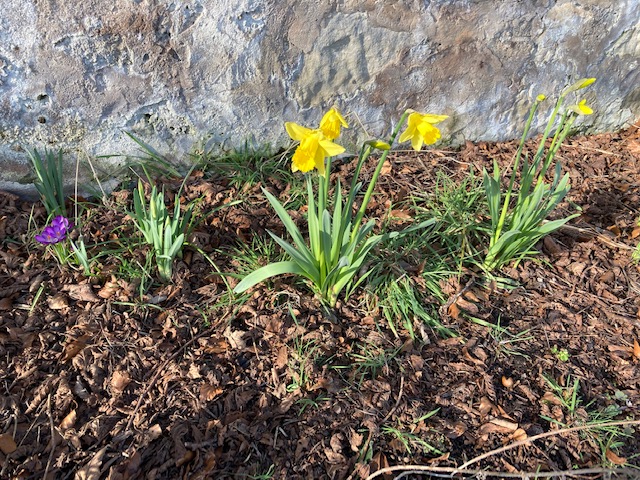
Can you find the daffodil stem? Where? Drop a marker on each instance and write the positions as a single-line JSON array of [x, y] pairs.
[[376, 174], [516, 163]]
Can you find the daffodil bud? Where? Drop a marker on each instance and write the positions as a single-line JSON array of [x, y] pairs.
[[580, 84], [541, 97], [379, 144]]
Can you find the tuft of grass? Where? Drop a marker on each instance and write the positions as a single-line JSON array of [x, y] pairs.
[[459, 206], [249, 166], [605, 437], [410, 440]]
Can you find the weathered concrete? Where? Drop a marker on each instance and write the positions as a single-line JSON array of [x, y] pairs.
[[183, 72]]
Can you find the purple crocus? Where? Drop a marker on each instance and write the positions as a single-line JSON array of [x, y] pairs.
[[54, 233]]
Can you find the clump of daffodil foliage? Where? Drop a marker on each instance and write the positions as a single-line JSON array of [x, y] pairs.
[[519, 216], [338, 243]]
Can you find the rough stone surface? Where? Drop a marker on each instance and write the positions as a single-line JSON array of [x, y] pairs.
[[188, 74]]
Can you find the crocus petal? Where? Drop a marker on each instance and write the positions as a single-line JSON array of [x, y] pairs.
[[297, 132]]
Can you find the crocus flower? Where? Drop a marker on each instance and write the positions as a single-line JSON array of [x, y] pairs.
[[420, 129], [331, 123], [313, 149], [54, 233]]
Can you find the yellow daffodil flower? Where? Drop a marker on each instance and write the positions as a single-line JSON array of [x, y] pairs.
[[582, 108], [541, 97], [420, 129], [313, 149], [331, 123]]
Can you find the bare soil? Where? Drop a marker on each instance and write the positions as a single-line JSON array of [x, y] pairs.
[[99, 382]]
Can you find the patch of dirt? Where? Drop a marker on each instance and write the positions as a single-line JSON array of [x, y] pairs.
[[98, 382]]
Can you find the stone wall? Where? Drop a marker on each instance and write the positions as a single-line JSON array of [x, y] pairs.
[[183, 73]]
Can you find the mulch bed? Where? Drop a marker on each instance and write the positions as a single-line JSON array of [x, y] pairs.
[[99, 382]]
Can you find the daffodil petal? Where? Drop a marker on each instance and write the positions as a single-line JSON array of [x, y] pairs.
[[331, 149], [297, 132], [431, 118], [416, 142]]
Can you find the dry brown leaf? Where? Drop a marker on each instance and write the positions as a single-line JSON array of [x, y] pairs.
[[6, 303], [119, 381], [485, 406], [82, 292], [635, 233], [501, 422], [283, 357], [519, 435], [109, 289], [57, 302], [91, 470], [453, 311], [549, 397], [386, 168], [208, 392], [74, 347], [68, 421], [613, 458], [507, 382], [400, 214], [636, 349], [615, 230], [235, 338], [7, 443], [216, 346]]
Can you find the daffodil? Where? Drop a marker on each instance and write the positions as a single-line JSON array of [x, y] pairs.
[[313, 149], [541, 97], [331, 123], [420, 129], [582, 108]]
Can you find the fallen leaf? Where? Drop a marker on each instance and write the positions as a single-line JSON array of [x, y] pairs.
[[386, 168], [68, 421], [507, 382], [636, 349], [109, 289], [57, 302], [208, 392], [82, 292], [119, 381], [501, 422], [635, 233], [235, 338], [6, 303], [7, 443], [91, 470], [613, 458], [74, 347]]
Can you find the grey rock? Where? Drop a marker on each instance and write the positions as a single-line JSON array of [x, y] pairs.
[[185, 75]]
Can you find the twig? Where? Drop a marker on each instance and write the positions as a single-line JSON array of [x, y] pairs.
[[463, 470], [544, 435], [395, 407]]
